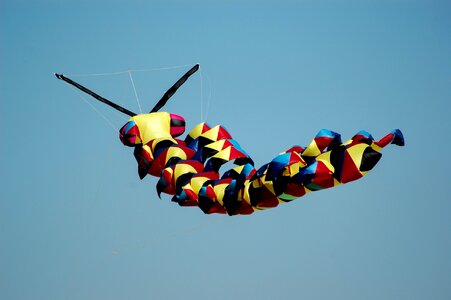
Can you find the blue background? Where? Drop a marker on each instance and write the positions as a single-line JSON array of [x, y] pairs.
[[77, 223]]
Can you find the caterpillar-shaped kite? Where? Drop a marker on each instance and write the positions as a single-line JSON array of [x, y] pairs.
[[189, 169]]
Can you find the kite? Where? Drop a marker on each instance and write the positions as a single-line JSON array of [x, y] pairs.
[[189, 168]]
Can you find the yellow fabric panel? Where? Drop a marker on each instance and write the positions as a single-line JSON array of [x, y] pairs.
[[347, 142], [175, 152], [325, 158], [376, 147], [219, 191], [356, 153], [197, 183], [294, 168], [269, 185], [240, 194], [238, 169], [168, 171], [148, 150], [257, 183], [311, 150], [216, 145], [223, 154], [212, 134], [301, 162], [291, 170], [245, 195], [197, 131], [181, 169], [188, 186], [152, 126]]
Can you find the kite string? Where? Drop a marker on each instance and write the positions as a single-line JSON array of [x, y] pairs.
[[94, 108], [203, 107], [201, 96], [134, 90], [128, 71], [209, 96], [163, 68]]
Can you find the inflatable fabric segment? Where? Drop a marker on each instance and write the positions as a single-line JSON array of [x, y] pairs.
[[189, 169]]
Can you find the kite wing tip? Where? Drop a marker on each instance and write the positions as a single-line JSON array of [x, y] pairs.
[[59, 76]]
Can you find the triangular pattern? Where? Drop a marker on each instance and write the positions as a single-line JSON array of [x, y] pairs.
[[189, 169]]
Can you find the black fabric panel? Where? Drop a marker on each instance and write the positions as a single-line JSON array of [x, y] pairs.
[[369, 159]]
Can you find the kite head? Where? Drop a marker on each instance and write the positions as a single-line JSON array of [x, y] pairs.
[[143, 128]]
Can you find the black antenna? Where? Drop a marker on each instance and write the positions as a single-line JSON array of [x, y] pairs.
[[100, 98], [174, 88]]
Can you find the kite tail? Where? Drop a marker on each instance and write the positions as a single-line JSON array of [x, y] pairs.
[[395, 137], [325, 163], [190, 169]]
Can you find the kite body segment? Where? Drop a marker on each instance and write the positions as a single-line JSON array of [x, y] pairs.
[[189, 169]]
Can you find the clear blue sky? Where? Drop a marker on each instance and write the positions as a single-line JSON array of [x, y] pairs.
[[77, 223]]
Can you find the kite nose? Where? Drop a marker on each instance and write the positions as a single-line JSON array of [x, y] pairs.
[[124, 139], [129, 134]]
